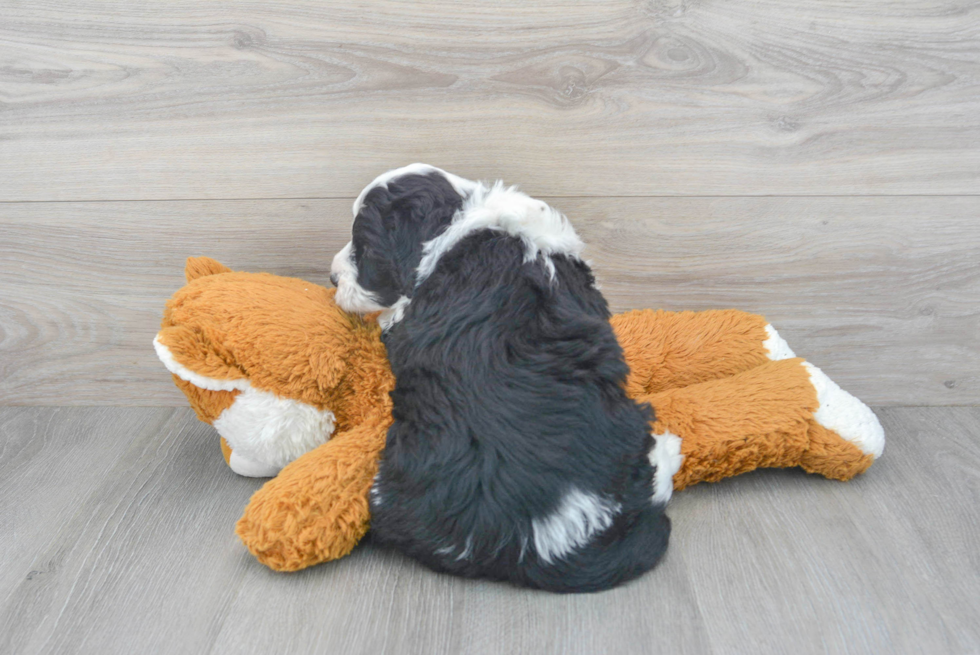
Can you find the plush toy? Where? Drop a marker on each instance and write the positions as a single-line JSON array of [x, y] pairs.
[[292, 382]]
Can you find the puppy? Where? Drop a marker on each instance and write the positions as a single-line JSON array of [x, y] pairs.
[[514, 453]]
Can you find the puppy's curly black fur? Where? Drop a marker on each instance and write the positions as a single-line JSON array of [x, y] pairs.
[[515, 453]]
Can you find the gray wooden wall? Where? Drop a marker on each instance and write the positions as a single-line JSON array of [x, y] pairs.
[[818, 164]]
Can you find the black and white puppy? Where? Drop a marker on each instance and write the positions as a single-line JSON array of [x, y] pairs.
[[515, 453]]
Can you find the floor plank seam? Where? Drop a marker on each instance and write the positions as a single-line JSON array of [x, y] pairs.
[[542, 196]]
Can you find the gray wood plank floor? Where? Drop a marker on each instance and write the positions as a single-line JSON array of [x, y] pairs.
[[116, 536]]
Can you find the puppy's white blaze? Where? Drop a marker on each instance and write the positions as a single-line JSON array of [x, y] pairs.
[[351, 296], [395, 313], [198, 380], [375, 493], [846, 415], [776, 345], [543, 229], [462, 186], [666, 456], [579, 517], [272, 430]]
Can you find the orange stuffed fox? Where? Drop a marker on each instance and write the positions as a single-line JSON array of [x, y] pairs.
[[292, 382]]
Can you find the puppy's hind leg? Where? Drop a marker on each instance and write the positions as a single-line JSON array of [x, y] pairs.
[[633, 545]]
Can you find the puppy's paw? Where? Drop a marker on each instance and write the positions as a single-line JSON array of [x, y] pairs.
[[667, 458]]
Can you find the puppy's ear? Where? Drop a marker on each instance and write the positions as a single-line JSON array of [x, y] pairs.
[[422, 207], [391, 227], [375, 239]]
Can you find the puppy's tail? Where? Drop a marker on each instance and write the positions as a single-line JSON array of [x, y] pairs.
[[632, 546]]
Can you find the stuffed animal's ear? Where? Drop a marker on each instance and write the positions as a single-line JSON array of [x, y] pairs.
[[202, 266], [328, 364]]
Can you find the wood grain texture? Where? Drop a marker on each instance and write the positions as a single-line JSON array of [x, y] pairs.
[[130, 541], [882, 293], [629, 97], [881, 564], [134, 551], [51, 460]]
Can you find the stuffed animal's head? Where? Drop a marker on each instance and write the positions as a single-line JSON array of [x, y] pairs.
[[271, 362]]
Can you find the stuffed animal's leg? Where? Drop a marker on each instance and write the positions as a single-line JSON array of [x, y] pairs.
[[665, 350], [316, 509], [782, 413], [841, 424]]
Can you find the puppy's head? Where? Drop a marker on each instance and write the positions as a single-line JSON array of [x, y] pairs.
[[393, 217]]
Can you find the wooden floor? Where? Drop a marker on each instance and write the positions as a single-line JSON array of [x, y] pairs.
[[118, 538], [816, 162]]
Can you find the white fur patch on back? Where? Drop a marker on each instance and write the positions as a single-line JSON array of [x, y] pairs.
[[666, 456], [776, 345], [198, 380], [543, 229], [846, 415], [579, 517], [273, 430], [462, 186]]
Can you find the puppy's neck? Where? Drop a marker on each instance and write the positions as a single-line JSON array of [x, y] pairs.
[[543, 229]]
